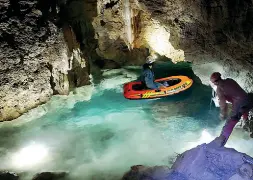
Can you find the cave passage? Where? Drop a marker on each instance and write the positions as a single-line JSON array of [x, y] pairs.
[[97, 133]]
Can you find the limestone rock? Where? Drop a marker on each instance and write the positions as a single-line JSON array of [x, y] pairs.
[[34, 59], [5, 175], [140, 172], [118, 29], [210, 162], [50, 176]]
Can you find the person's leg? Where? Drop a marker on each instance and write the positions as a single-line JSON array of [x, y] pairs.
[[152, 85], [231, 122], [239, 110], [228, 127], [165, 83], [159, 85]]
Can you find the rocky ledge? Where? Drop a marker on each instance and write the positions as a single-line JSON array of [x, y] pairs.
[[205, 162], [5, 175]]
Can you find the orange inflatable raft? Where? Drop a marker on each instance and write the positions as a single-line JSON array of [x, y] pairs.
[[177, 84]]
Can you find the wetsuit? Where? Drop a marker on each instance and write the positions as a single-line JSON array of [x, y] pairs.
[[229, 90]]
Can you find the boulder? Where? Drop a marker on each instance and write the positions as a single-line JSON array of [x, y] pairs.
[[204, 162]]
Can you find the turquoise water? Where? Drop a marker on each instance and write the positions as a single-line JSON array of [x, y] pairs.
[[95, 133]]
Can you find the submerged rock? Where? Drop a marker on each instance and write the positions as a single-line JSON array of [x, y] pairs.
[[50, 176], [204, 162], [6, 175]]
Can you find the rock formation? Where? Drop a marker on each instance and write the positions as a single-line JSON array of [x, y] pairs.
[[37, 59], [206, 161], [5, 175], [50, 176], [214, 35], [127, 33]]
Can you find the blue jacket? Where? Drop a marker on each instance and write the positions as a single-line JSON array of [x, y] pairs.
[[148, 77]]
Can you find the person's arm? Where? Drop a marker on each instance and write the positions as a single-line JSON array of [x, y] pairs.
[[223, 104]]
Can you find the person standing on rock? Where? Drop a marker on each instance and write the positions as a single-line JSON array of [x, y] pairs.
[[148, 77], [229, 90]]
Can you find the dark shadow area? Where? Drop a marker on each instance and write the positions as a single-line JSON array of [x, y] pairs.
[[106, 64], [48, 9], [79, 14], [14, 8], [111, 4]]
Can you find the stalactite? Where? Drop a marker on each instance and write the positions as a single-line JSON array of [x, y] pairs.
[[128, 23], [136, 27]]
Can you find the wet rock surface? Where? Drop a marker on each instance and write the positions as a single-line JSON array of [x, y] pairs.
[[5, 175], [206, 161], [50, 176]]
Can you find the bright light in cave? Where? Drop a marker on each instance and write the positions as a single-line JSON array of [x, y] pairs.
[[159, 40], [205, 137], [30, 155], [157, 36]]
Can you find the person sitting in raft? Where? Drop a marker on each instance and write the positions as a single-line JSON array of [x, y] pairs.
[[229, 90], [148, 77]]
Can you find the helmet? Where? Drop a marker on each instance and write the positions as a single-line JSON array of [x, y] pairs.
[[215, 76], [150, 60]]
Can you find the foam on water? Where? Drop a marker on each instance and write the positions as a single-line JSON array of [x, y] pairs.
[[114, 79]]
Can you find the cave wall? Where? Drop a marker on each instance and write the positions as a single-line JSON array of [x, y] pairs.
[[125, 33], [79, 15], [214, 35], [37, 59]]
